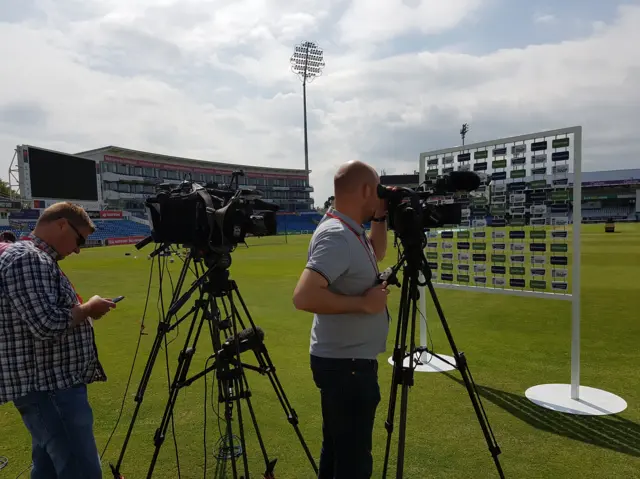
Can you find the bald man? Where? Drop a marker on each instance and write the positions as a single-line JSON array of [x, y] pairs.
[[350, 320]]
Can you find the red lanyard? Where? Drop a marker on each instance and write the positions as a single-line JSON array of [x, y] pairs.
[[370, 251]]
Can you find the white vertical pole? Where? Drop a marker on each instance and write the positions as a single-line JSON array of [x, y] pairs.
[[575, 288], [422, 289], [423, 310]]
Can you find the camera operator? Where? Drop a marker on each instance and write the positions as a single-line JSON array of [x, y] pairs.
[[350, 324], [47, 349]]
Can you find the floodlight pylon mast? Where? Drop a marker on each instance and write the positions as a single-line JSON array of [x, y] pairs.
[[307, 63]]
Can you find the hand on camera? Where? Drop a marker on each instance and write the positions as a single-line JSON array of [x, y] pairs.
[[382, 208], [97, 307], [375, 299]]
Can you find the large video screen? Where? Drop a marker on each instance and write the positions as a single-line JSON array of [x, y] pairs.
[[60, 176]]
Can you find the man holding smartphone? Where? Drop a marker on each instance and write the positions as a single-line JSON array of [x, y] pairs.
[[339, 285], [47, 349]]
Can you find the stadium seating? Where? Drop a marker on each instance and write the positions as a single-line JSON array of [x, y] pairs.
[[104, 229], [118, 229], [616, 212], [296, 224]]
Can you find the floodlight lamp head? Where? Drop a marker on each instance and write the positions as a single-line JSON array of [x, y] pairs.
[[307, 61]]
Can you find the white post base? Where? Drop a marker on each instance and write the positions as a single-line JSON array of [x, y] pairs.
[[591, 401], [427, 363]]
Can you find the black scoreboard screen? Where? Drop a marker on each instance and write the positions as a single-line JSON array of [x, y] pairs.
[[59, 176]]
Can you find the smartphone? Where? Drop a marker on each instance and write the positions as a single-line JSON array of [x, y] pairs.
[[118, 299]]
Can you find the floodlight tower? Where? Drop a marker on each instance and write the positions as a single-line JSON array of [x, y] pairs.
[[307, 63], [463, 132]]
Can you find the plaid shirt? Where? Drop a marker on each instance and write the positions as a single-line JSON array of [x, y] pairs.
[[39, 351]]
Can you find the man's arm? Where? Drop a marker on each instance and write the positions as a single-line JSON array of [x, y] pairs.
[[328, 260], [31, 286], [378, 235], [378, 238], [312, 295]]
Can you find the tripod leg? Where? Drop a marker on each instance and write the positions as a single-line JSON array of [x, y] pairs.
[[163, 328], [269, 464], [180, 376], [267, 366], [463, 367], [398, 366], [239, 395], [228, 415], [407, 372]]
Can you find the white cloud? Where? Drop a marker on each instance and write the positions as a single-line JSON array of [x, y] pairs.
[[375, 22], [211, 80], [544, 18]]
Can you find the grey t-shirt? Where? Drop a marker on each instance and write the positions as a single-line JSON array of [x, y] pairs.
[[340, 251]]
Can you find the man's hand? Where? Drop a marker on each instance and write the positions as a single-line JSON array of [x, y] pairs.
[[97, 307], [375, 299], [382, 208]]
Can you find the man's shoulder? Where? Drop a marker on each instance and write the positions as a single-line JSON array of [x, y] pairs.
[[21, 251], [329, 227]]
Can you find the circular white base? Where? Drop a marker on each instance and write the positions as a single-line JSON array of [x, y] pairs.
[[427, 363], [590, 402]]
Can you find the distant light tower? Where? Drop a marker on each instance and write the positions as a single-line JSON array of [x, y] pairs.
[[307, 63], [463, 132]]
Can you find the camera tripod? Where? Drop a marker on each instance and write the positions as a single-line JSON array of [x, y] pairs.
[[413, 263], [229, 339]]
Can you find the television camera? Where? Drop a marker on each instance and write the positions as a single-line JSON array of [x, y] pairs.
[[209, 218], [410, 214]]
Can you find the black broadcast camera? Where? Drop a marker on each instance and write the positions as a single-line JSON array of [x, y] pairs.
[[410, 214], [210, 219]]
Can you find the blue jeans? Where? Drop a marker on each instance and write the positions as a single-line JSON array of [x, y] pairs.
[[349, 394], [61, 427]]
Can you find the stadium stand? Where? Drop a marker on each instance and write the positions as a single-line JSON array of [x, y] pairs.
[[298, 223], [104, 229], [125, 228]]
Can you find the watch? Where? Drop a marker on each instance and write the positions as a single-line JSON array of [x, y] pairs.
[[380, 219]]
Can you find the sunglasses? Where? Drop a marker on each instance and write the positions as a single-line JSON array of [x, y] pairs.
[[80, 240]]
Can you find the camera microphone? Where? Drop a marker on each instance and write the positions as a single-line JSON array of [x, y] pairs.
[[458, 181]]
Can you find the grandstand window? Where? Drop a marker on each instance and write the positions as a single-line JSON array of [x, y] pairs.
[[151, 172], [124, 187], [137, 170], [123, 169], [111, 167]]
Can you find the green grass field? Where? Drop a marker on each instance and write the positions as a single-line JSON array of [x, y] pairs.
[[512, 343]]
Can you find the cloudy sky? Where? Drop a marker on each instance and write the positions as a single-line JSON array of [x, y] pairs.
[[210, 79]]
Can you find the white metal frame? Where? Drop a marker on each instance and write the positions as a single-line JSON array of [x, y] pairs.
[[570, 398]]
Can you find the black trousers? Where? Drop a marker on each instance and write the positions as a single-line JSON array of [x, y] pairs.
[[349, 394]]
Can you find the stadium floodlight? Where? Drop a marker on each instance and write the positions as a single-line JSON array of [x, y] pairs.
[[523, 239], [463, 131], [307, 63]]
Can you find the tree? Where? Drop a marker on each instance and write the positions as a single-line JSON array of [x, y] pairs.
[[6, 191], [329, 203]]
